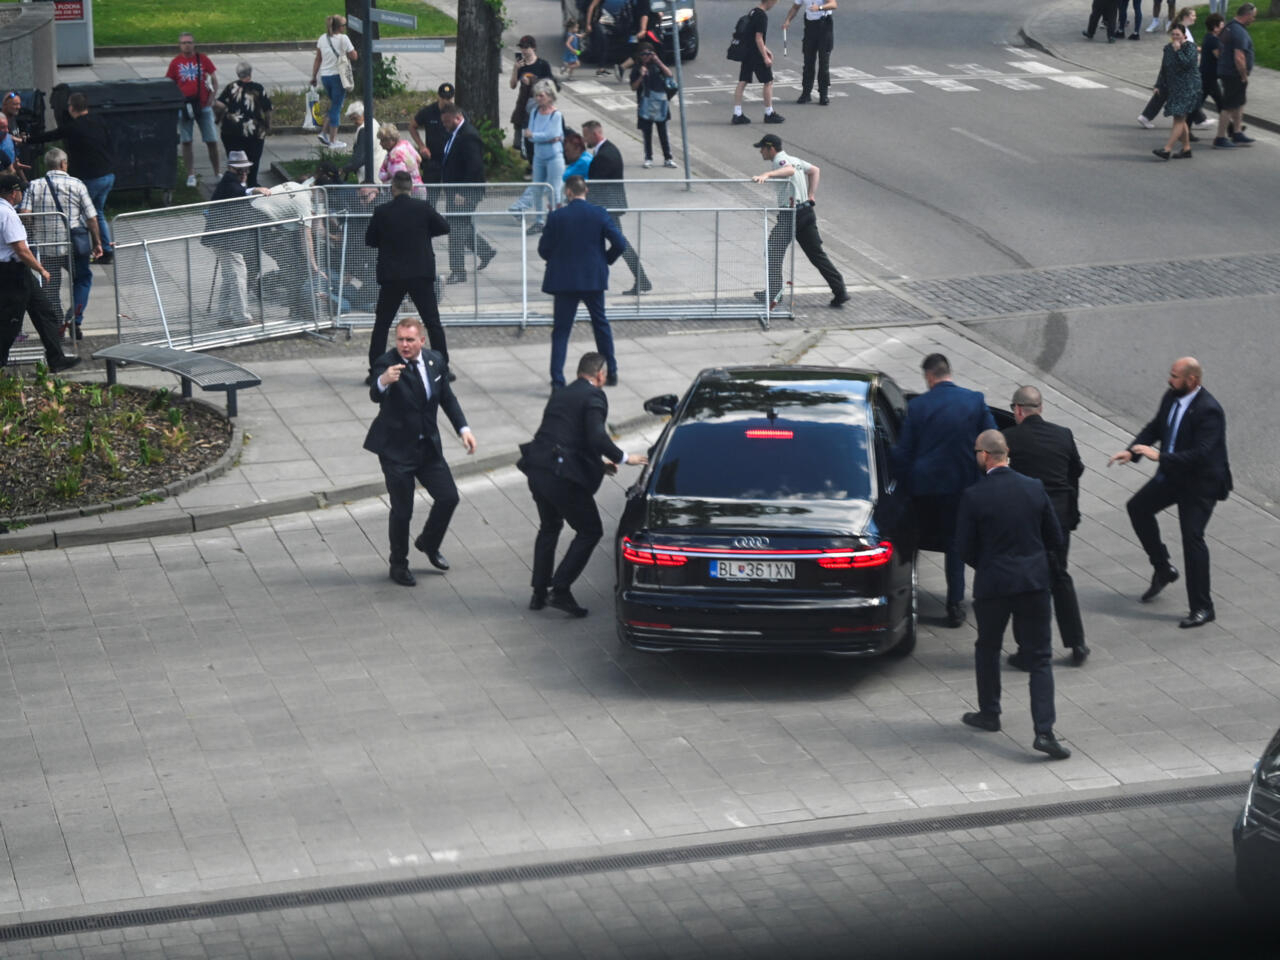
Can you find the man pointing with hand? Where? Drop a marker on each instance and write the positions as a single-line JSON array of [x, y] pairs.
[[409, 385]]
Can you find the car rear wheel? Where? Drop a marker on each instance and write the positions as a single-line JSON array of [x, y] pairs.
[[907, 645]]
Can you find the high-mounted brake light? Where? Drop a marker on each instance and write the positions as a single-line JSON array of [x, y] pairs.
[[877, 557], [650, 557], [759, 434]]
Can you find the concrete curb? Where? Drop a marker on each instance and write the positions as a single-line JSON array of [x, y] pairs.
[[270, 46]]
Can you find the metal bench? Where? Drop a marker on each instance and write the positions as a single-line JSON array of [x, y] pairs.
[[211, 373]]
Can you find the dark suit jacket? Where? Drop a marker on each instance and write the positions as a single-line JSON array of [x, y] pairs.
[[572, 437], [464, 161], [1003, 528], [579, 242], [1048, 453], [934, 454], [401, 229], [1198, 463], [606, 164], [405, 413]]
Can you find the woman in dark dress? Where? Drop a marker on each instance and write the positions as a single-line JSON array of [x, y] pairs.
[[246, 117], [1180, 70]]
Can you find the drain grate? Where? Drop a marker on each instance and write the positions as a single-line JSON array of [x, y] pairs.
[[465, 879]]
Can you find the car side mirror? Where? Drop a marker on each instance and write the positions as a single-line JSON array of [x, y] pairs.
[[664, 405]]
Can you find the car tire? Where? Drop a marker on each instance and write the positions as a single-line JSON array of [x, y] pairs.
[[693, 48], [907, 645]]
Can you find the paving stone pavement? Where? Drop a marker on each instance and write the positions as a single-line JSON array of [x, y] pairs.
[[195, 714]]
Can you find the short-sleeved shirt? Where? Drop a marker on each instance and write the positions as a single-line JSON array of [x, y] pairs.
[[431, 130], [758, 23], [1209, 51], [11, 231], [8, 151], [76, 203], [797, 179], [811, 11], [191, 74], [1235, 37], [330, 52]]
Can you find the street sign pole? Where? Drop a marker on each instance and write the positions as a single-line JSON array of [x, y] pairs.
[[684, 126]]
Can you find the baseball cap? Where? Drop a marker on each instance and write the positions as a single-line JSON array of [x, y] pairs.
[[769, 140], [527, 41], [445, 90]]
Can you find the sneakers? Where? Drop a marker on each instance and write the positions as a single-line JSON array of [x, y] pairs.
[[1151, 27], [191, 180], [774, 118], [739, 118], [648, 162], [1240, 139], [1222, 143], [338, 144], [323, 138], [669, 163], [1144, 122], [1206, 122]]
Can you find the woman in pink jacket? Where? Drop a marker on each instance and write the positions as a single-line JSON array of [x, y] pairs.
[[400, 155]]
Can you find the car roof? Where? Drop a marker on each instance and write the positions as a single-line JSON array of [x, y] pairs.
[[798, 372]]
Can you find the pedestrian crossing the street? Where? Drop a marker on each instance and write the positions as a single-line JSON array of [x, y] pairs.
[[1019, 71]]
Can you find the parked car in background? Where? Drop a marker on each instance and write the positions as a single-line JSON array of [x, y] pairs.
[[755, 528], [1256, 835], [683, 12]]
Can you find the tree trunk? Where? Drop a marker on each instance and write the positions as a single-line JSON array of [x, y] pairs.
[[479, 60], [1274, 10]]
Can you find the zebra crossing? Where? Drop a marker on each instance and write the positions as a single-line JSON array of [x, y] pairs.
[[1023, 73]]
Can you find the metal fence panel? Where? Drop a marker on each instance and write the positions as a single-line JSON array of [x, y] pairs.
[[209, 274], [49, 237]]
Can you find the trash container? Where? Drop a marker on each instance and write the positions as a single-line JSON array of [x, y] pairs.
[[143, 118]]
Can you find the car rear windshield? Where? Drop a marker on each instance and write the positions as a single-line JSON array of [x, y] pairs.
[[767, 440]]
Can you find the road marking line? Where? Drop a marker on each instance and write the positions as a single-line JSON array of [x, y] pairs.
[[911, 70], [951, 86], [972, 69], [1078, 82], [1033, 66], [1136, 94], [1014, 83], [993, 145], [883, 86]]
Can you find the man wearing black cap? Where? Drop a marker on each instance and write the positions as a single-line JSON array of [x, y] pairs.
[[430, 136], [800, 194], [529, 69], [20, 293]]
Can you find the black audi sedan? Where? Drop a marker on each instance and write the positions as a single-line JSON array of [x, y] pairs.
[[755, 527], [1256, 836]]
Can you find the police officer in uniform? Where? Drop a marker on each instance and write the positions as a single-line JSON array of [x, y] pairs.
[[819, 38]]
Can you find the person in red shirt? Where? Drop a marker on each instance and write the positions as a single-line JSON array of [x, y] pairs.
[[197, 78]]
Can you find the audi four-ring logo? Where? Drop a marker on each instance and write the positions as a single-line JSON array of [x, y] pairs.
[[746, 543]]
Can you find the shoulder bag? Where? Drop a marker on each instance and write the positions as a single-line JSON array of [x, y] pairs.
[[344, 67]]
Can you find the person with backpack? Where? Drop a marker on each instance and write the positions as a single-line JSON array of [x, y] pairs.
[[756, 59]]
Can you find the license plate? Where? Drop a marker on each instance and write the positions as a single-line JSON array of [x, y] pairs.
[[753, 569]]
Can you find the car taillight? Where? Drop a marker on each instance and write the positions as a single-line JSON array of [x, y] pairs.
[[770, 434], [650, 557], [877, 557]]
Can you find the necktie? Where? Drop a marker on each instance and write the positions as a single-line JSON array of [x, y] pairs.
[[1175, 417]]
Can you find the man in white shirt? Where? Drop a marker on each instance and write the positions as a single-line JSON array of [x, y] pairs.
[[819, 38], [796, 200], [20, 292]]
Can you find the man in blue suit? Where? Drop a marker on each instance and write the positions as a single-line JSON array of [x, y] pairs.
[[934, 458], [1005, 530], [579, 243]]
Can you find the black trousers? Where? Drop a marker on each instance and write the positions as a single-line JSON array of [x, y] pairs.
[[1066, 609], [1030, 613], [819, 38], [559, 501], [422, 290], [432, 472], [20, 294], [806, 227], [1104, 10], [1193, 516], [463, 237], [629, 255]]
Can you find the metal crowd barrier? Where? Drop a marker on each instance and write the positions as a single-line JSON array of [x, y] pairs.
[[49, 237], [209, 274], [233, 271]]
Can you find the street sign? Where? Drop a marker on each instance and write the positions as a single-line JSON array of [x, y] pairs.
[[411, 45], [355, 23], [393, 19]]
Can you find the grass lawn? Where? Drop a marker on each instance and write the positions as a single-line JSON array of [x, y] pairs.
[[1265, 33], [136, 22]]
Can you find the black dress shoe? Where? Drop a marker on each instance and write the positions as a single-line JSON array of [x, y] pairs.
[[435, 557], [485, 258], [983, 721], [1018, 661], [803, 98], [456, 277], [564, 601], [823, 101], [1197, 618], [640, 286], [840, 299], [404, 576], [538, 600], [955, 614], [64, 363], [611, 380], [1161, 578], [1048, 743], [1080, 654]]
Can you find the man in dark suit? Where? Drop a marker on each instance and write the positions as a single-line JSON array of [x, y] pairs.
[[1192, 471], [579, 243], [401, 231], [565, 462], [606, 165], [462, 162], [1004, 530], [934, 456], [1047, 452], [410, 384]]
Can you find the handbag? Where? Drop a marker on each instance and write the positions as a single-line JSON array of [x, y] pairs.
[[672, 87], [309, 120], [81, 242], [653, 106], [344, 68]]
